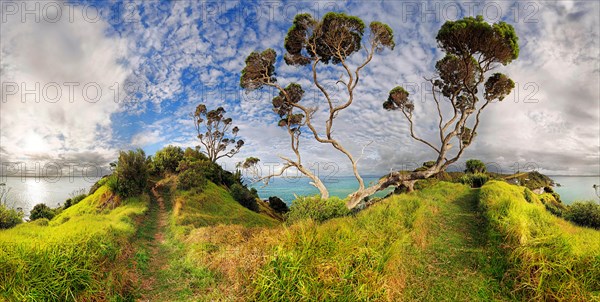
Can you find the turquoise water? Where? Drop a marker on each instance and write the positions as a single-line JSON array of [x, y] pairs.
[[285, 188], [573, 188], [576, 188]]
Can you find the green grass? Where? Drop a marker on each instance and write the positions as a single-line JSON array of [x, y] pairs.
[[419, 246], [74, 257], [213, 206], [549, 258]]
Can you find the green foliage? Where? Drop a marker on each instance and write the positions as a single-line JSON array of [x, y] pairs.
[[74, 200], [474, 180], [317, 209], [242, 195], [278, 205], [496, 43], [166, 160], [192, 177], [41, 211], [131, 173], [584, 214], [9, 217], [475, 166]]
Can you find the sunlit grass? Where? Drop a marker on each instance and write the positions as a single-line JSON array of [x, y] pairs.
[[550, 258], [73, 257]]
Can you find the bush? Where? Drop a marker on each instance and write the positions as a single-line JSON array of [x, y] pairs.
[[475, 166], [317, 209], [9, 217], [41, 211], [166, 160], [242, 195], [131, 173], [74, 200], [528, 194], [278, 205], [474, 180], [191, 178], [584, 213]]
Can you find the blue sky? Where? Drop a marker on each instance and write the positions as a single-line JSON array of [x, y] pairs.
[[154, 61]]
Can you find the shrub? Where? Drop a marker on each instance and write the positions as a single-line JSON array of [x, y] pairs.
[[528, 195], [278, 205], [166, 160], [317, 209], [584, 213], [191, 178], [475, 166], [132, 173], [41, 211], [474, 180], [9, 217], [425, 183], [74, 200], [242, 195]]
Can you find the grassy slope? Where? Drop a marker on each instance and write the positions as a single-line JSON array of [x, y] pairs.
[[550, 259], [420, 246], [71, 258], [213, 206]]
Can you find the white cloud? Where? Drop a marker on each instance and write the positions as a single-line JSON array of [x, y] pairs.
[[59, 120]]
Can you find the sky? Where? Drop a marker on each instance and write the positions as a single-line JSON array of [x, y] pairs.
[[83, 80]]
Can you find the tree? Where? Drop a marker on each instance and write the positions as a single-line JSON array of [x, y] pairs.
[[41, 211], [213, 127], [131, 173], [167, 160], [473, 48], [327, 43], [475, 166]]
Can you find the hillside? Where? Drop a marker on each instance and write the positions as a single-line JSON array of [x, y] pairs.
[[445, 242]]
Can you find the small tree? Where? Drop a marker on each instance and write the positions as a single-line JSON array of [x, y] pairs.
[[213, 131], [473, 48], [131, 173], [475, 166], [41, 211], [167, 160], [317, 45]]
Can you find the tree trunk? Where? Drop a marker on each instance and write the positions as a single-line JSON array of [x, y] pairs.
[[393, 179]]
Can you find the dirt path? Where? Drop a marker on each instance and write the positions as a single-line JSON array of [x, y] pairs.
[[153, 255]]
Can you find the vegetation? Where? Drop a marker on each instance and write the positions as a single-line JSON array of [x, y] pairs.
[[278, 205], [317, 209], [242, 195], [315, 44], [78, 255], [9, 217], [475, 166], [474, 180], [166, 160], [213, 127], [584, 213], [131, 174], [473, 49], [41, 211], [548, 258]]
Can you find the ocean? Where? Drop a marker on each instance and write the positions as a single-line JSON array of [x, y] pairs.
[[29, 191], [26, 192]]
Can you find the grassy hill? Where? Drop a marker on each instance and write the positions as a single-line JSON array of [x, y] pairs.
[[79, 255], [446, 242]]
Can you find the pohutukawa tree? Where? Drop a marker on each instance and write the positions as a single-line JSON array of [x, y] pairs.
[[473, 48], [216, 133], [316, 45]]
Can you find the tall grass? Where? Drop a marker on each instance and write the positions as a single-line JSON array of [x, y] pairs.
[[550, 258], [78, 255]]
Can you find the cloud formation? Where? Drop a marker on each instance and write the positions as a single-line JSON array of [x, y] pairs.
[[175, 55]]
